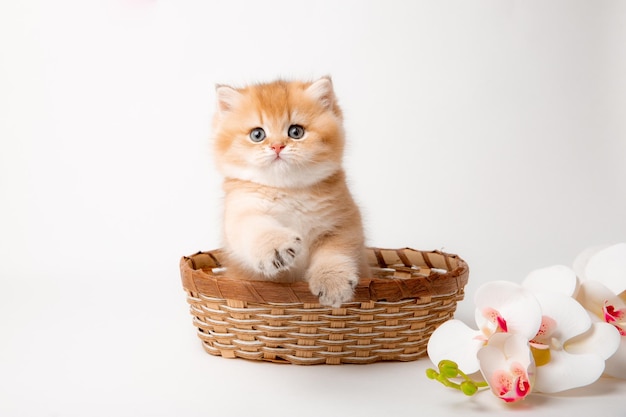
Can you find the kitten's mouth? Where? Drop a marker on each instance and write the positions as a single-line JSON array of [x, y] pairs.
[[280, 163]]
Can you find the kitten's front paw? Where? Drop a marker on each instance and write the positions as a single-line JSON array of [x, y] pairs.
[[277, 253], [333, 286]]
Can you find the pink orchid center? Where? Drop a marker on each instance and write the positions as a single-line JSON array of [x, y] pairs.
[[543, 341], [494, 317], [544, 334], [613, 316], [512, 385]]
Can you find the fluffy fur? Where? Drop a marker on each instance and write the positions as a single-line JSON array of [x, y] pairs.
[[288, 214]]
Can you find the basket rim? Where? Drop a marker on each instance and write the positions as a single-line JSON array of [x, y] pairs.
[[197, 278]]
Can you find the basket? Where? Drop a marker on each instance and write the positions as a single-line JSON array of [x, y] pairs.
[[391, 317]]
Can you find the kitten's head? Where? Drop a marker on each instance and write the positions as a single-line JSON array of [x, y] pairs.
[[282, 134]]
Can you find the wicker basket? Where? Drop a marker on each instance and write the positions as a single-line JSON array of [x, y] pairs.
[[391, 317]]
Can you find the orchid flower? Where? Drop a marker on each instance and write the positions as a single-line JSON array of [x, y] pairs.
[[603, 293], [560, 329], [569, 350], [501, 307], [508, 366]]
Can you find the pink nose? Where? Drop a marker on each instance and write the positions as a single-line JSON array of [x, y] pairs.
[[277, 147]]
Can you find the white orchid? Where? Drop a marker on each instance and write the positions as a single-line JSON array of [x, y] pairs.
[[569, 350], [537, 336], [507, 316], [507, 365], [602, 272], [501, 307]]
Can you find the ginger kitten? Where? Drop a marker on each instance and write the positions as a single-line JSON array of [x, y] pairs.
[[288, 213]]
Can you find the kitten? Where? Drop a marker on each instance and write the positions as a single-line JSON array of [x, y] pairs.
[[288, 213]]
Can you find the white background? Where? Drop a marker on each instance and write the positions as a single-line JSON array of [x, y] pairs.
[[490, 129]]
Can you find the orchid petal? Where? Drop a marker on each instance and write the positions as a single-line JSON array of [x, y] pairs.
[[517, 306], [510, 346], [608, 266], [616, 364], [601, 339], [570, 317], [581, 261], [593, 295], [455, 341], [557, 278], [566, 371], [506, 360]]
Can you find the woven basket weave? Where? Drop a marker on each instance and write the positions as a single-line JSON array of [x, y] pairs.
[[391, 317]]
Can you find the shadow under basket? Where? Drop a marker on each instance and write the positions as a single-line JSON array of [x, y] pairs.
[[391, 317]]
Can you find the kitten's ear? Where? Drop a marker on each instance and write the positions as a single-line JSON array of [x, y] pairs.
[[322, 91], [227, 98]]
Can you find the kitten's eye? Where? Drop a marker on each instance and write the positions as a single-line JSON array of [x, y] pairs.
[[295, 131], [257, 135]]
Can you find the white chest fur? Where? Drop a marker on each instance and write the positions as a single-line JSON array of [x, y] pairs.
[[306, 214]]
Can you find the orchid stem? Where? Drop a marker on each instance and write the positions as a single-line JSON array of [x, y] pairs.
[[479, 384], [449, 369]]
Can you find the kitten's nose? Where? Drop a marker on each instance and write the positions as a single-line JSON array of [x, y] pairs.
[[277, 147]]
